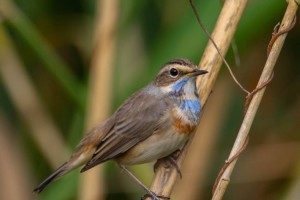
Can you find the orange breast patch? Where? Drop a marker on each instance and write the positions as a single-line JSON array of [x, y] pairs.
[[182, 127]]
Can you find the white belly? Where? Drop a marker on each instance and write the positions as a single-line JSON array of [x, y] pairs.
[[156, 146]]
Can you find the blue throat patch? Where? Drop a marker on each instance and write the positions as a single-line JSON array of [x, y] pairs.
[[177, 86], [192, 107]]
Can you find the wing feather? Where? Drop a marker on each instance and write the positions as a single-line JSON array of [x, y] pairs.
[[137, 119]]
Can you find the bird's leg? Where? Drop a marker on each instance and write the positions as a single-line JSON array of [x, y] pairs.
[[150, 193], [170, 160]]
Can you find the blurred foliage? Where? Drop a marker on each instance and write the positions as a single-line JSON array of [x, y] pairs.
[[53, 39]]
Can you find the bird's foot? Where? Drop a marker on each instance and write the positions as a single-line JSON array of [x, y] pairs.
[[168, 161], [154, 196]]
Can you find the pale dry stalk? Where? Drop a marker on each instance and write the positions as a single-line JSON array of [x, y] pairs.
[[27, 102], [14, 170], [225, 28], [252, 109], [99, 99]]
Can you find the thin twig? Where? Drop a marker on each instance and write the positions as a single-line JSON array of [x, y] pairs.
[[217, 48], [241, 150], [227, 163], [253, 106], [250, 96], [276, 33]]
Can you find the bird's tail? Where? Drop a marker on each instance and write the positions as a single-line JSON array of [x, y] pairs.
[[79, 158], [82, 155], [55, 175]]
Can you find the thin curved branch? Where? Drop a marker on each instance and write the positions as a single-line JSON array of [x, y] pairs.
[[255, 102]]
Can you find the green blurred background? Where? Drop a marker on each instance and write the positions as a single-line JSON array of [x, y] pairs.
[[46, 51]]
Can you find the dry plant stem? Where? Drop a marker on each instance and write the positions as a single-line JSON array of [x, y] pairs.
[[27, 102], [229, 17], [250, 114], [13, 169], [99, 99]]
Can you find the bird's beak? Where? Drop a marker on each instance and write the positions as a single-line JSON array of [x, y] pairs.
[[197, 72]]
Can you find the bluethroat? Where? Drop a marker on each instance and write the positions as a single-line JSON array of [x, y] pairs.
[[151, 124]]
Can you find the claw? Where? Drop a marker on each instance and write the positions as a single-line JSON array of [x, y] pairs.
[[174, 163], [154, 196], [171, 159]]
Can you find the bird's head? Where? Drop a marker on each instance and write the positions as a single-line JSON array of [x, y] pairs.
[[178, 76]]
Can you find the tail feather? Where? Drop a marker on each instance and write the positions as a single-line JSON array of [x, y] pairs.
[[55, 175], [78, 159], [83, 154]]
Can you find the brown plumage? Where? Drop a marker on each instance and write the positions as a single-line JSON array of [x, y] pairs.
[[144, 128]]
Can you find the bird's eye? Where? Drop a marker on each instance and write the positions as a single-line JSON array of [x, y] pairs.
[[173, 72]]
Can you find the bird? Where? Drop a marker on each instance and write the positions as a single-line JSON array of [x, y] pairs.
[[151, 124]]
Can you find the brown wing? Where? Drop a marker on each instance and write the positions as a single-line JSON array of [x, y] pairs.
[[135, 120]]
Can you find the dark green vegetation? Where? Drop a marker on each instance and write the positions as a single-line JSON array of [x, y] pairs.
[[53, 43]]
